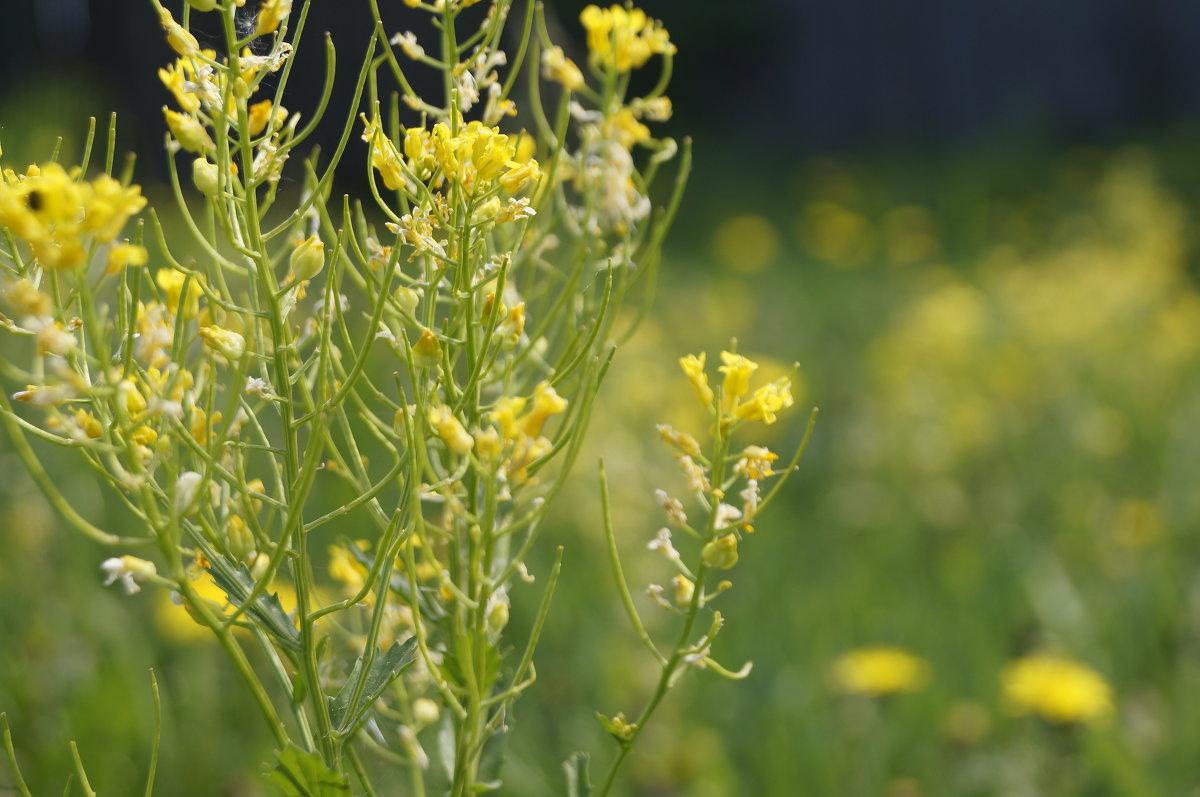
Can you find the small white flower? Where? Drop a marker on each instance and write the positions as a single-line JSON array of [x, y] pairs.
[[655, 591], [750, 498], [257, 386], [186, 488], [672, 507], [662, 542], [129, 570], [727, 515], [407, 41], [697, 480]]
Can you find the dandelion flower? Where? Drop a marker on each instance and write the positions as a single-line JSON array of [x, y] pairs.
[[878, 671], [1057, 689]]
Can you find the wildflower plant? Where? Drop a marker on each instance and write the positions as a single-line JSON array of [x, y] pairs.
[[367, 404]]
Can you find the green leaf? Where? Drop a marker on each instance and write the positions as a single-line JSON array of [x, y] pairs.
[[302, 774], [267, 611], [344, 710], [578, 783]]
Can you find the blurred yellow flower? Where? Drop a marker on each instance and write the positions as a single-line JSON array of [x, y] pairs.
[[623, 38], [880, 670], [747, 243], [1057, 689]]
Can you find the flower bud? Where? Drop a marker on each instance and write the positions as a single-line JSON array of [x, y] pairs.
[[204, 175], [186, 487], [202, 5], [721, 553], [190, 134], [427, 351], [224, 342], [180, 39], [497, 611], [408, 299], [238, 537], [425, 712], [308, 258], [684, 590]]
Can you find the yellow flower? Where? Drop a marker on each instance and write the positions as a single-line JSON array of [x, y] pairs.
[[180, 39], [126, 254], [190, 134], [520, 175], [623, 38], [171, 282], [27, 299], [737, 370], [260, 113], [345, 567], [270, 14], [877, 671], [766, 401], [505, 413], [54, 212], [174, 77], [478, 155], [559, 68], [693, 367], [546, 402], [451, 430], [1057, 689], [624, 128]]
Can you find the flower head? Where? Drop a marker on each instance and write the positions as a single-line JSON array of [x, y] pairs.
[[129, 570], [877, 671], [623, 38], [1057, 689]]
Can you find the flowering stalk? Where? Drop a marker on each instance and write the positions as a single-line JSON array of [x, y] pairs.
[[710, 480], [432, 352]]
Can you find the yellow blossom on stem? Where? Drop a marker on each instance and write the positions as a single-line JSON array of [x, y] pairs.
[[559, 68], [766, 401], [546, 402], [451, 430], [505, 413], [270, 14], [1057, 689], [693, 367], [171, 282], [623, 38], [190, 134], [180, 39], [737, 370], [878, 671], [126, 254]]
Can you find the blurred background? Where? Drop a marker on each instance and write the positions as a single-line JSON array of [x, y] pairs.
[[972, 224]]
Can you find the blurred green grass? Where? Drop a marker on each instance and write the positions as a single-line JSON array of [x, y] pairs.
[[1003, 341]]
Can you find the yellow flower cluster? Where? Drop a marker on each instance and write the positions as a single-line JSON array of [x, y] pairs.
[[1057, 689], [58, 214], [480, 155], [878, 671], [520, 429], [623, 38], [737, 403]]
